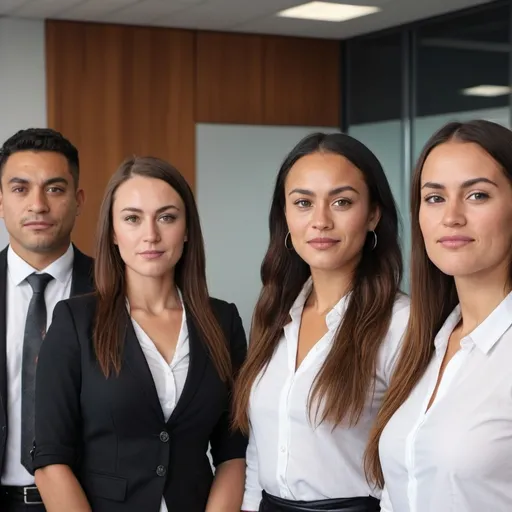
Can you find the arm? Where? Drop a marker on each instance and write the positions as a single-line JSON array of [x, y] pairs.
[[58, 418], [228, 446], [252, 495]]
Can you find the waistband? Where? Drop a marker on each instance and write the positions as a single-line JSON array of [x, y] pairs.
[[271, 503]]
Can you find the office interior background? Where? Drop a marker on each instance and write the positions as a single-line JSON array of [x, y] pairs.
[[223, 89]]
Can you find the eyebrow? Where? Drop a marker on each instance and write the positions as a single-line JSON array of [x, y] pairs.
[[51, 181], [333, 192], [160, 210], [465, 184]]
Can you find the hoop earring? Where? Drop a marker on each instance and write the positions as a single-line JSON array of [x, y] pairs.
[[286, 241], [374, 240]]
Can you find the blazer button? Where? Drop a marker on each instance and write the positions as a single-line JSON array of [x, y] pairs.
[[164, 436], [161, 470]]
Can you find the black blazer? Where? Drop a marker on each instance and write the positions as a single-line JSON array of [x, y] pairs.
[[82, 282], [112, 431]]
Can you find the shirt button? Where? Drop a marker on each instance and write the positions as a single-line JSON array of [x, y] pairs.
[[164, 436], [283, 449], [161, 470]]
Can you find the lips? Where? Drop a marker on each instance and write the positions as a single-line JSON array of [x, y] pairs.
[[455, 241], [151, 255], [37, 224], [323, 242]]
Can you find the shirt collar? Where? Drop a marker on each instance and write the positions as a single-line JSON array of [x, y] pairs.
[[489, 332], [332, 318], [484, 336], [60, 269]]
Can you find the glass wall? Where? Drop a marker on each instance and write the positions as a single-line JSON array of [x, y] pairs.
[[401, 85]]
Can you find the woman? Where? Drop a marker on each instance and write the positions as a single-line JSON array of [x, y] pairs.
[[325, 331], [133, 382], [445, 427]]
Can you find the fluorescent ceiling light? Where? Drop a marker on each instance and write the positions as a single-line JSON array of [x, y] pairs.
[[487, 91], [326, 11]]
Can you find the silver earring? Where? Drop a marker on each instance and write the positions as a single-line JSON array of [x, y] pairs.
[[286, 241], [374, 240]]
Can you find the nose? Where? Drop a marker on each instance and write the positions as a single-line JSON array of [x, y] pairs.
[[454, 213], [38, 201], [322, 218], [152, 233]]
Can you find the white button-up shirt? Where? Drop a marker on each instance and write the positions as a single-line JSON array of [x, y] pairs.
[[457, 456], [169, 378], [19, 295], [287, 455]]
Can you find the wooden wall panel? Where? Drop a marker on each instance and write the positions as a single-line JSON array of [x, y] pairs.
[[301, 81], [229, 78], [115, 91]]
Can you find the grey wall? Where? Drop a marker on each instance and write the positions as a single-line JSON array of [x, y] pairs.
[[22, 80]]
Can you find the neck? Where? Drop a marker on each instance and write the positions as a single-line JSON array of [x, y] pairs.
[[328, 288], [39, 260], [151, 294], [479, 295]]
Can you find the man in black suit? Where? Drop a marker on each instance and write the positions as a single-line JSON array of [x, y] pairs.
[[39, 202]]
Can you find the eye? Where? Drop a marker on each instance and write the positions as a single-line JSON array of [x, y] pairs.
[[478, 196], [343, 202], [168, 218], [303, 203], [433, 199], [18, 190], [55, 190], [132, 219]]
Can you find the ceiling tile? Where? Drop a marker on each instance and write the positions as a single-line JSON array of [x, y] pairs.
[[44, 8], [94, 10], [223, 14], [146, 11]]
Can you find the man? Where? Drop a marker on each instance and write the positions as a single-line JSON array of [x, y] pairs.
[[39, 201]]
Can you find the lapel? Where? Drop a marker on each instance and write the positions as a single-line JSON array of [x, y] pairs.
[[82, 281], [136, 362], [3, 330]]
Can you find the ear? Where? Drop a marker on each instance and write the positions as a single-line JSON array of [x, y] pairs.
[[374, 218], [1, 204], [80, 200]]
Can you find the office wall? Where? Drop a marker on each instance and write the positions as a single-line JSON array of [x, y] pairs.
[[22, 80], [236, 170]]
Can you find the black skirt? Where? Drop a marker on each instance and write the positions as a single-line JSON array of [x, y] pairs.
[[271, 503]]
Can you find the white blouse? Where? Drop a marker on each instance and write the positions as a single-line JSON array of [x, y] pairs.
[[169, 378], [457, 456], [288, 456]]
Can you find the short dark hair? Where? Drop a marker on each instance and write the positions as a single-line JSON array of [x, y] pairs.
[[41, 139]]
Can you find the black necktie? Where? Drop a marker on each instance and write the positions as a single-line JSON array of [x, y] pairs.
[[35, 330]]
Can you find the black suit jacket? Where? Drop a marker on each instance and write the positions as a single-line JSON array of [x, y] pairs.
[[82, 282], [112, 432]]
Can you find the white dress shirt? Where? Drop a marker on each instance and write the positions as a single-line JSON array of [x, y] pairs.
[[19, 294], [457, 456], [169, 378], [287, 456]]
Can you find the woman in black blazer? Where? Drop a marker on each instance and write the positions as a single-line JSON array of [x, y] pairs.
[[134, 381]]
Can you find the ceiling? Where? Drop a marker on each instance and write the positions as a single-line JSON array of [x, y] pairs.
[[251, 16]]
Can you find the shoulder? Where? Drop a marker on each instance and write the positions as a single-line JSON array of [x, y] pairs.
[[79, 307], [402, 305], [222, 309]]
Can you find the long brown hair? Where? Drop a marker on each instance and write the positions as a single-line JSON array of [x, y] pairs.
[[433, 293], [189, 273], [347, 375]]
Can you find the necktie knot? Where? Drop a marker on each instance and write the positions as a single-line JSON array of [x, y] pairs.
[[38, 282]]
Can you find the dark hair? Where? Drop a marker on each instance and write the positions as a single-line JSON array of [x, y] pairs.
[[347, 376], [41, 139], [189, 273], [433, 293]]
